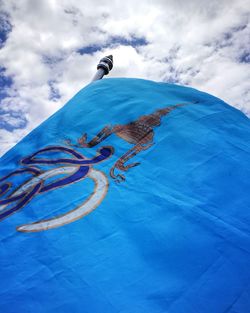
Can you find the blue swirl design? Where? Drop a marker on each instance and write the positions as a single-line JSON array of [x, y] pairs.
[[21, 196]]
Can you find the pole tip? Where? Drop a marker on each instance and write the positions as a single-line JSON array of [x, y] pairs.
[[106, 64], [110, 57]]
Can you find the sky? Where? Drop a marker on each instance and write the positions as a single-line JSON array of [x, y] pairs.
[[49, 50]]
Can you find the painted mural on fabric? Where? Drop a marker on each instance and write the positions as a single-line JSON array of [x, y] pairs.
[[75, 167]]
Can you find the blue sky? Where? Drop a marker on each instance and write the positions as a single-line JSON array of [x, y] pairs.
[[49, 50]]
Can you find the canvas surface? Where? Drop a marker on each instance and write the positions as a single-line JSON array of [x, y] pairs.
[[133, 198]]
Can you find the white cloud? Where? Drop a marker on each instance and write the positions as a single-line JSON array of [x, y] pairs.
[[195, 42]]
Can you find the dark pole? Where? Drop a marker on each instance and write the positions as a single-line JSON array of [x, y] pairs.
[[104, 67]]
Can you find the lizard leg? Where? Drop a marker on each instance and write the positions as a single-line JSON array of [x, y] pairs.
[[120, 163]]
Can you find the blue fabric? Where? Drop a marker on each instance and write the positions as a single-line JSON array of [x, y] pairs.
[[172, 237]]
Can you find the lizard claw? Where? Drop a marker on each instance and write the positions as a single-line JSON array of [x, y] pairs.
[[82, 140]]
